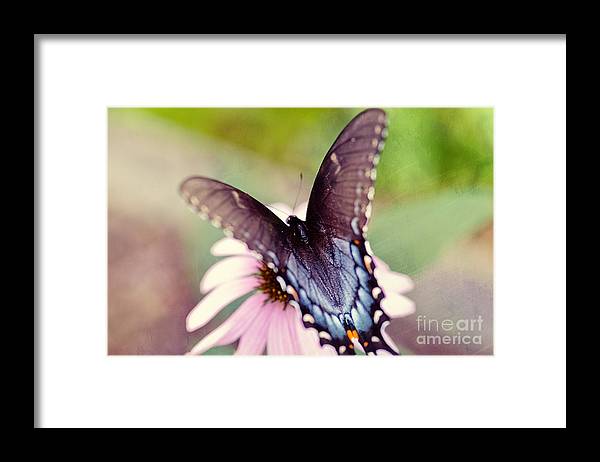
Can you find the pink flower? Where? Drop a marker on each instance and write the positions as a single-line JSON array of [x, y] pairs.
[[260, 323]]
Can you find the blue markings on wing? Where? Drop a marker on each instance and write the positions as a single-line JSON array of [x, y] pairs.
[[304, 300], [362, 318], [335, 327], [336, 290], [318, 314], [363, 276], [332, 289], [292, 279], [355, 253], [365, 297]]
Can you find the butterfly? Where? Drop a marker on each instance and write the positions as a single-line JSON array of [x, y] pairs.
[[322, 266]]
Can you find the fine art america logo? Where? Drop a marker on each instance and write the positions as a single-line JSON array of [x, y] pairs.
[[449, 331]]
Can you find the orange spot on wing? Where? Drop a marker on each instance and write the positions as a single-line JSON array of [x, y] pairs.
[[352, 334]]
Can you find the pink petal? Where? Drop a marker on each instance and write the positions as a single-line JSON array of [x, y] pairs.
[[282, 334], [276, 344], [216, 300], [281, 338], [391, 281], [396, 305], [308, 340], [383, 353], [253, 341], [387, 339], [281, 210], [328, 350], [227, 270], [233, 327], [380, 263], [229, 246], [290, 321]]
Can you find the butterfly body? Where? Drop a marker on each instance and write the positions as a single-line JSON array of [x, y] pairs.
[[323, 264], [298, 229]]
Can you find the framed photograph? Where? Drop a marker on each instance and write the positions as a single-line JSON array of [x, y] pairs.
[[240, 231]]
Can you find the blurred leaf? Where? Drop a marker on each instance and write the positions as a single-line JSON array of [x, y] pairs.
[[432, 149], [410, 236]]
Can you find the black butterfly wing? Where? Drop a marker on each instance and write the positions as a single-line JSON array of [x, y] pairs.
[[340, 207], [366, 313], [340, 200], [309, 280], [358, 312], [239, 215]]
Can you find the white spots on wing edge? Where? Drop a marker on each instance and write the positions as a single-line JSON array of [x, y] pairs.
[[371, 193], [368, 262], [290, 290], [376, 292], [308, 318], [324, 335], [282, 283], [335, 160], [216, 221], [236, 198], [377, 316]]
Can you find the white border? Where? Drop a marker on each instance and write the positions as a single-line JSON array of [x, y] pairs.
[[522, 385]]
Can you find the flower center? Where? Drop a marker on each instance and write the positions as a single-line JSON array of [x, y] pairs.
[[269, 285]]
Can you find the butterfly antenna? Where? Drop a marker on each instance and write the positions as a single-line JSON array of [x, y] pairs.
[[298, 192]]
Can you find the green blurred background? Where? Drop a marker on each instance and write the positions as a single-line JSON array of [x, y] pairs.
[[432, 214]]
